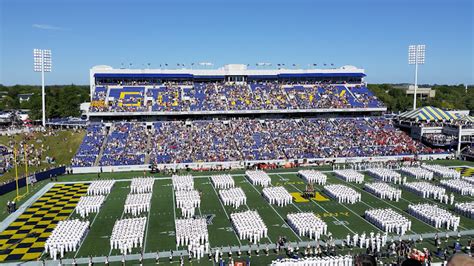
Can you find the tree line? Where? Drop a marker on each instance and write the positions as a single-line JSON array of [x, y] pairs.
[[61, 100], [452, 97]]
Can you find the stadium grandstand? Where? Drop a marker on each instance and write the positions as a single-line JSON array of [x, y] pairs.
[[235, 116]]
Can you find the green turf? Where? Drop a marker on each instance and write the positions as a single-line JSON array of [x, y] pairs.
[[341, 218]]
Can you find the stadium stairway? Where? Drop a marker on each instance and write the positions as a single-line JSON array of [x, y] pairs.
[[107, 95], [350, 92], [102, 148], [148, 146]]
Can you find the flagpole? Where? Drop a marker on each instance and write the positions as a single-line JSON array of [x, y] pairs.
[[26, 168], [16, 172]]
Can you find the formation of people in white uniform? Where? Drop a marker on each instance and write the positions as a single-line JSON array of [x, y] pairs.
[[187, 201], [442, 171], [89, 204], [313, 177], [182, 182], [386, 175], [465, 208], [469, 179], [137, 204], [434, 215], [100, 187], [426, 190], [417, 172], [258, 178], [142, 185], [307, 224], [66, 237], [388, 220], [350, 175], [193, 233], [342, 193], [128, 234], [249, 225], [277, 195], [371, 241], [233, 196], [316, 261], [384, 191], [224, 181], [458, 185]]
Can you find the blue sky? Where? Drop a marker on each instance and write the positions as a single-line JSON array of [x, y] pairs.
[[372, 34]]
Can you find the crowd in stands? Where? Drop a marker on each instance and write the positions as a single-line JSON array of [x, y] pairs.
[[274, 139], [90, 146], [125, 145], [220, 96], [439, 139], [246, 140]]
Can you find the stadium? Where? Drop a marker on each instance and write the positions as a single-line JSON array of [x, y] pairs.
[[217, 146], [232, 162]]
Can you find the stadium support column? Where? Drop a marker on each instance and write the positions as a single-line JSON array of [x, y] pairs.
[[416, 56], [459, 141], [42, 63], [416, 85], [43, 97]]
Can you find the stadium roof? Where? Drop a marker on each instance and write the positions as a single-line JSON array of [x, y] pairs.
[[228, 70], [427, 113], [467, 118]]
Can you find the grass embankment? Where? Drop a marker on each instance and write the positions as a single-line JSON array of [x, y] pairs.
[[62, 146]]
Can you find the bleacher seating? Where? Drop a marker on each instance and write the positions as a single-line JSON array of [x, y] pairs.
[[218, 96], [125, 145], [90, 146], [273, 139]]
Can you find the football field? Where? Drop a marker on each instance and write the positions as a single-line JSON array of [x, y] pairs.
[[342, 219]]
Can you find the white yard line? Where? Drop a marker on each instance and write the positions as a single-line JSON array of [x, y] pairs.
[[147, 223], [174, 211], [225, 211]]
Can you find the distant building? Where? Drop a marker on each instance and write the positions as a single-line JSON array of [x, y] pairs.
[[25, 97], [422, 93]]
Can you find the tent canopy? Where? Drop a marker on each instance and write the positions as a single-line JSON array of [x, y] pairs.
[[427, 113]]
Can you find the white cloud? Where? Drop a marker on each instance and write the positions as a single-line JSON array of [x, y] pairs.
[[46, 27]]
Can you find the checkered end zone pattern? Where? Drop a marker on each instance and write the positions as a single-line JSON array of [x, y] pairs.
[[465, 171], [24, 239]]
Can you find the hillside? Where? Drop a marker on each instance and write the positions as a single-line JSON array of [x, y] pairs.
[[62, 146]]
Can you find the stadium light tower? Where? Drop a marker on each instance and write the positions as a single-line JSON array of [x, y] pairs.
[[42, 63], [416, 56]]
